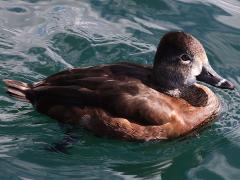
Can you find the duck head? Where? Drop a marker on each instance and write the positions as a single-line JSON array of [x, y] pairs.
[[180, 60]]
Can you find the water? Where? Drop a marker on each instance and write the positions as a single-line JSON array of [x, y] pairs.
[[39, 38]]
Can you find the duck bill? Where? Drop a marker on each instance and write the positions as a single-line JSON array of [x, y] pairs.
[[209, 76]]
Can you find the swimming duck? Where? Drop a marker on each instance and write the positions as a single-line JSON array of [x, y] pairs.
[[132, 101]]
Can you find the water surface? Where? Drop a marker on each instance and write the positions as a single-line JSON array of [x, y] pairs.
[[40, 37]]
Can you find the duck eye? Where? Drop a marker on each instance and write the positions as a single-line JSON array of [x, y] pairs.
[[185, 58]]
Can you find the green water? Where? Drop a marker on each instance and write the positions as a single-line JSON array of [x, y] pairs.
[[39, 38]]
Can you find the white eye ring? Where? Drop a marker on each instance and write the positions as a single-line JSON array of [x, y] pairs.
[[185, 58]]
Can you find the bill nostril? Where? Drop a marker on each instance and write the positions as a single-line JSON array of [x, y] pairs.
[[211, 75]]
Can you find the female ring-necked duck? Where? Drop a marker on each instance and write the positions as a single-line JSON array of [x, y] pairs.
[[132, 101]]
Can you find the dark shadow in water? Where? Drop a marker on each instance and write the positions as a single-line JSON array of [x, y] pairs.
[[71, 137]]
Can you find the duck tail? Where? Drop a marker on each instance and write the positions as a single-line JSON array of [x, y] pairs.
[[17, 89]]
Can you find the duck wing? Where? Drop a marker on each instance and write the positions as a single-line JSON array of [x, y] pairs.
[[110, 87]]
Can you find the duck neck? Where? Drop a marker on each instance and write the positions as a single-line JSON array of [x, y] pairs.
[[168, 82], [192, 94], [171, 81]]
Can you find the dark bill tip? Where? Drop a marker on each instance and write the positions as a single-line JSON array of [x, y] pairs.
[[225, 84]]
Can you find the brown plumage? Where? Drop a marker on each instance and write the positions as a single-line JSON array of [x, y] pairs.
[[130, 101]]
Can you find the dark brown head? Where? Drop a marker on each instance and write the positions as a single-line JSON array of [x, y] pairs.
[[180, 60]]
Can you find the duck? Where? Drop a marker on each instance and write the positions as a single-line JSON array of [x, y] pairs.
[[133, 102]]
